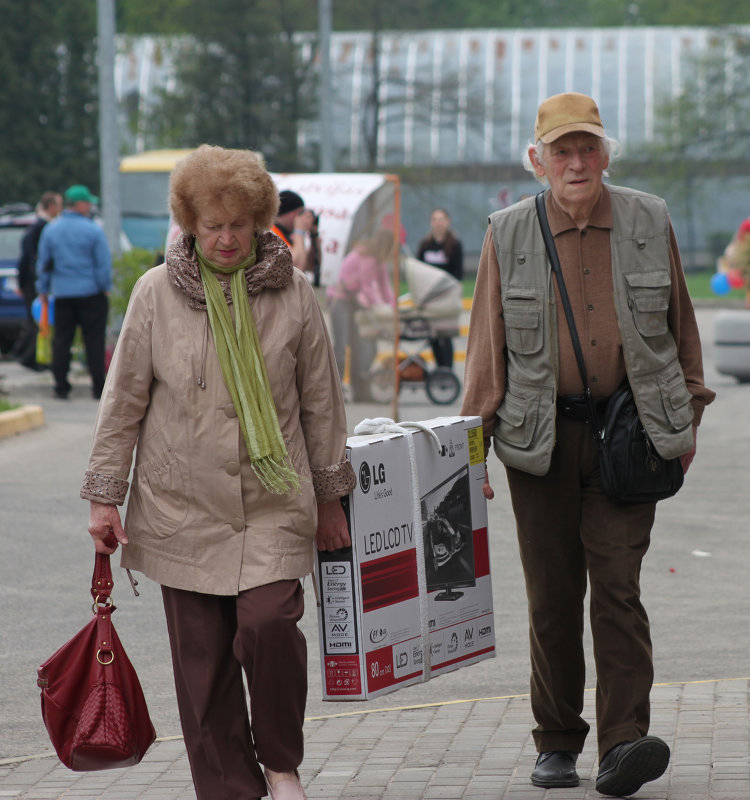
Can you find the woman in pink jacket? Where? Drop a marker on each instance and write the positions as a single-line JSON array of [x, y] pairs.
[[364, 282]]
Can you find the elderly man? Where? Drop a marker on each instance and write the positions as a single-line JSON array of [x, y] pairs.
[[622, 270], [74, 264]]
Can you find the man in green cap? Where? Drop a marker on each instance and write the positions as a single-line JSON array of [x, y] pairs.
[[74, 265]]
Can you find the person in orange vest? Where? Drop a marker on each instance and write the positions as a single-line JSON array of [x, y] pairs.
[[293, 225]]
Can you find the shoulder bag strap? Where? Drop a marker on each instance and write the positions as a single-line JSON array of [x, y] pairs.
[[101, 581], [549, 243]]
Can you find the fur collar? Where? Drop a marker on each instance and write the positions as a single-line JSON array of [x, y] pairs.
[[272, 270]]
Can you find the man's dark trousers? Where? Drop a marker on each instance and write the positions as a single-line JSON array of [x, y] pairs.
[[567, 528], [91, 314]]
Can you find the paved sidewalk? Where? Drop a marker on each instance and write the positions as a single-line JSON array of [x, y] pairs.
[[464, 750], [482, 749]]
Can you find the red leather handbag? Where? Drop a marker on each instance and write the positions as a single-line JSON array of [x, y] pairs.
[[92, 702]]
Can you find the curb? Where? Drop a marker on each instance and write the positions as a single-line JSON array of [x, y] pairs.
[[18, 420]]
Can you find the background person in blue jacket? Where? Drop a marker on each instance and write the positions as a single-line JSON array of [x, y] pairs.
[[74, 264]]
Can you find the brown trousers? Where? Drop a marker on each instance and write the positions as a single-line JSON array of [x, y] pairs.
[[213, 639], [567, 528]]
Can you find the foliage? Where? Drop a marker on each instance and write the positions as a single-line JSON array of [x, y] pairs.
[[240, 84], [704, 131], [710, 118], [125, 272], [149, 16], [48, 106], [165, 16]]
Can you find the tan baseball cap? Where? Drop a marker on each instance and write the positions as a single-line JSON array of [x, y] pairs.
[[566, 113]]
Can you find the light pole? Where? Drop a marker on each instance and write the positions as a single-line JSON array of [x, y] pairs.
[[109, 150], [325, 96]]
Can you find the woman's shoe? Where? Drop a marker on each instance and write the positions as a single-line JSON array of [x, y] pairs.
[[287, 789]]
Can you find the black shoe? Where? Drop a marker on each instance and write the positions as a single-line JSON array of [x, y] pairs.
[[61, 395], [555, 770], [627, 766]]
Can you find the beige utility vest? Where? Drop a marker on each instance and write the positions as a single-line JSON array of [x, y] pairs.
[[524, 434]]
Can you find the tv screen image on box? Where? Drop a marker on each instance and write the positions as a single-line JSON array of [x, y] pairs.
[[448, 537]]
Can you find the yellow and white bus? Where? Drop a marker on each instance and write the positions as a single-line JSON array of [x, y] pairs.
[[144, 188]]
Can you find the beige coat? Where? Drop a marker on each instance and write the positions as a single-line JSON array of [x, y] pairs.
[[197, 516]]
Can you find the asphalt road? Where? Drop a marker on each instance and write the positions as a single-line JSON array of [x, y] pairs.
[[694, 578]]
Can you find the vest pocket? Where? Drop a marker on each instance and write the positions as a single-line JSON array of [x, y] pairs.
[[516, 420], [676, 399], [648, 299], [523, 322]]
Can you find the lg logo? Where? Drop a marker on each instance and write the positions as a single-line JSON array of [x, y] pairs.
[[365, 481], [368, 477]]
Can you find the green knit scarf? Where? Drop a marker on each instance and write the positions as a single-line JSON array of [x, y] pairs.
[[245, 375]]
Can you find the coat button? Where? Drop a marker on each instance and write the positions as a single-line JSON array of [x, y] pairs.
[[229, 411], [238, 524], [232, 468]]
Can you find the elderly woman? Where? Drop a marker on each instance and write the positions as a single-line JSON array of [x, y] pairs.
[[225, 378]]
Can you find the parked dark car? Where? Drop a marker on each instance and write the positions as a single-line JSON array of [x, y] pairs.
[[14, 219]]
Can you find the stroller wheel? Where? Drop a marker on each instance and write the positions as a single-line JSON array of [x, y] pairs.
[[383, 383], [442, 386]]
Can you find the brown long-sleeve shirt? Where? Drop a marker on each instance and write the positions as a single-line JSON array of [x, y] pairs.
[[586, 262]]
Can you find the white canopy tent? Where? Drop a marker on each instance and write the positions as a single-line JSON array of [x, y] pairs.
[[350, 207]]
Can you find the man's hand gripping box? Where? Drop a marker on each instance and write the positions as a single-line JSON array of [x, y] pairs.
[[412, 597]]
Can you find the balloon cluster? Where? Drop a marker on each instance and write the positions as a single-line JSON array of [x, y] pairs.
[[733, 267], [724, 282]]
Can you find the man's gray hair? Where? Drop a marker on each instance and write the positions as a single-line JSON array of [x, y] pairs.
[[611, 147]]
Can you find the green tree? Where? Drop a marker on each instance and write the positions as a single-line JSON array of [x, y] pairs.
[[241, 80], [449, 14], [48, 107], [167, 16], [149, 16], [669, 12], [704, 132]]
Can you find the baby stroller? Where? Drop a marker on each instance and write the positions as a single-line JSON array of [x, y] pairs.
[[431, 308]]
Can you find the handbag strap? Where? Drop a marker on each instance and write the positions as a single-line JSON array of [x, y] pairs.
[[101, 588], [549, 243], [101, 581]]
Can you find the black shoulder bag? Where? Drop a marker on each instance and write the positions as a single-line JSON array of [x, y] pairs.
[[631, 470]]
